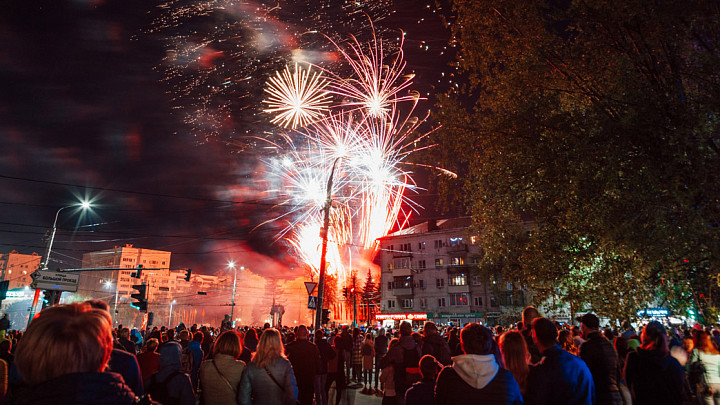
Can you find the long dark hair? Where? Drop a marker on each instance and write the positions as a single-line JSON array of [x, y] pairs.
[[654, 338]]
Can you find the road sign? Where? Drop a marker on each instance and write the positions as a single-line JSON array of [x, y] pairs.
[[310, 286], [53, 280], [312, 302]]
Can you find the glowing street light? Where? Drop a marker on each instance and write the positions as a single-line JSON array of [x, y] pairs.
[[231, 265], [84, 205]]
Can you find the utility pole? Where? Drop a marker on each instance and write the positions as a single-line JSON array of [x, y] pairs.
[[354, 300], [323, 251]]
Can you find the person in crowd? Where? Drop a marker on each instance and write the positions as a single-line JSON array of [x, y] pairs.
[[368, 355], [348, 347], [627, 330], [336, 369], [304, 356], [516, 357], [567, 342], [622, 350], [326, 354], [6, 347], [226, 324], [251, 339], [149, 360], [405, 358], [560, 378], [125, 342], [454, 342], [170, 385], [434, 344], [381, 348], [475, 377], [387, 376], [220, 376], [62, 358], [423, 391], [269, 378], [198, 354], [599, 355], [184, 336], [708, 355], [358, 339], [529, 314], [121, 361], [651, 364]]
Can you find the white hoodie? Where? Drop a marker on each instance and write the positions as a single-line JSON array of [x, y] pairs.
[[475, 369]]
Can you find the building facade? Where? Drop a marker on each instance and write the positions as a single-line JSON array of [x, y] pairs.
[[16, 268], [431, 272]]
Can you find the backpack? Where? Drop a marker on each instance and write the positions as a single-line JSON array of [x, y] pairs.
[[158, 390], [186, 361], [698, 379], [408, 372]]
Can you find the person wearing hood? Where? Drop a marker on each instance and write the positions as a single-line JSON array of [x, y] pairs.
[[559, 377], [435, 345], [652, 375], [170, 385], [476, 377]]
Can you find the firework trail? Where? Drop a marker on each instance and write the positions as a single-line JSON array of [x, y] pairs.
[[299, 97]]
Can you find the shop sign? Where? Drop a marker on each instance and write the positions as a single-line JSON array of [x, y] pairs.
[[401, 317], [653, 312], [461, 315]]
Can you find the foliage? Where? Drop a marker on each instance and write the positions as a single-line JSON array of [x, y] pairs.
[[586, 139]]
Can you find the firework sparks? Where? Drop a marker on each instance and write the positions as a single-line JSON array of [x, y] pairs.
[[299, 97]]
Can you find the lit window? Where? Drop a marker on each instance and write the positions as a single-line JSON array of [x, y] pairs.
[[458, 279], [459, 299]]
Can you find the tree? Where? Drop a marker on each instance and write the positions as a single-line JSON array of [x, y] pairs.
[[587, 147]]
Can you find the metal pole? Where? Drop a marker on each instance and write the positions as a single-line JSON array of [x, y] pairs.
[[323, 252], [117, 293], [45, 262], [354, 303], [170, 318], [232, 308]]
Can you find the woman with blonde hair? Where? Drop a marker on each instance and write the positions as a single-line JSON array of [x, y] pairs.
[[516, 357], [62, 358], [269, 378], [220, 376]]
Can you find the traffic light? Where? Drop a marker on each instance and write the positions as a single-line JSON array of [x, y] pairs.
[[187, 274], [325, 317], [140, 296], [345, 292], [138, 271]]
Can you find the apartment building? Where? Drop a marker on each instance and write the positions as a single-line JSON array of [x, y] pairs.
[[431, 272], [16, 268]]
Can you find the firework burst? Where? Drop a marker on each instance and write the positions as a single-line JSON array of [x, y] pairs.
[[364, 142], [297, 98]]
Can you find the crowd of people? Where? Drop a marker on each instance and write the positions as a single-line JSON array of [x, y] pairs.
[[71, 354]]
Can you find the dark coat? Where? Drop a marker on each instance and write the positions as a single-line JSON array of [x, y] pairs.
[[326, 353], [436, 346], [451, 389], [421, 393], [560, 378], [78, 389], [381, 346], [532, 347], [127, 366], [655, 378], [602, 360], [305, 359]]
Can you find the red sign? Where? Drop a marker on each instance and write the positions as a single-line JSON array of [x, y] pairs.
[[401, 317]]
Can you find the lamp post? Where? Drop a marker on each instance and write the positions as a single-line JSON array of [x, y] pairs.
[[170, 318], [323, 252], [44, 265], [231, 264]]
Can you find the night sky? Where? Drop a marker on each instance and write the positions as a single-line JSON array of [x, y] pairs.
[[87, 111]]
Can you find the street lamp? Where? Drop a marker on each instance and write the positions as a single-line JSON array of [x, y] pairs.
[[170, 319], [84, 205], [231, 264]]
